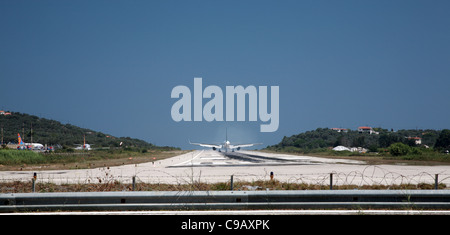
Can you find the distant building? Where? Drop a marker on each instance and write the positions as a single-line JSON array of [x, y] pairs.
[[353, 149], [339, 129], [363, 129], [341, 148], [358, 149], [4, 113], [417, 140], [367, 129]]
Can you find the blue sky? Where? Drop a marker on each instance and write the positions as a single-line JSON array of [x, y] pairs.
[[111, 65]]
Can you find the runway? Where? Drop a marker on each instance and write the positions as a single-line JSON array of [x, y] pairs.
[[209, 166], [208, 158]]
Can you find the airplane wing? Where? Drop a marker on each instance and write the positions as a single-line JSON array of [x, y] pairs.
[[207, 145], [238, 146]]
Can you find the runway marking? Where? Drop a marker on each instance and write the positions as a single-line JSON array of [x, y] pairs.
[[182, 163]]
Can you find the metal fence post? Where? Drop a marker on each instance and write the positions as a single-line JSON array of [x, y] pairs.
[[134, 183], [33, 186], [331, 181], [231, 186], [436, 181]]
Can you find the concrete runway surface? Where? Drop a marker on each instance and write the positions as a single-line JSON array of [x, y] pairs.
[[211, 166]]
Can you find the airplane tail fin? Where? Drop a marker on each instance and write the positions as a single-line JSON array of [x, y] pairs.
[[226, 134], [19, 139]]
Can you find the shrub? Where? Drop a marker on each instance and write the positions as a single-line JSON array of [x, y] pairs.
[[399, 149]]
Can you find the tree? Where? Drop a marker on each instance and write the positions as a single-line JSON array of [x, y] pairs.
[[386, 139], [399, 149], [443, 141], [359, 141]]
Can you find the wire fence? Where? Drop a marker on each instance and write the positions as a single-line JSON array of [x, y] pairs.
[[356, 179]]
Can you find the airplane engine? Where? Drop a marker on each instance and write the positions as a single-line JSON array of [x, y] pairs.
[[214, 148], [239, 148]]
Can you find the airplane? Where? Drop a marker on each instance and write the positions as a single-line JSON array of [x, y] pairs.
[[226, 145], [28, 145], [84, 146]]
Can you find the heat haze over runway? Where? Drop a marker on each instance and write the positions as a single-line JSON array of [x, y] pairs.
[[209, 158]]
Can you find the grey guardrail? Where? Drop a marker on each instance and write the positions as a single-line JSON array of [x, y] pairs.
[[218, 200]]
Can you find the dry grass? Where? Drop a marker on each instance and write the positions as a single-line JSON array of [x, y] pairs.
[[93, 159], [113, 185]]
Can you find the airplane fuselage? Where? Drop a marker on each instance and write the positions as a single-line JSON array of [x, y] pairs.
[[226, 145]]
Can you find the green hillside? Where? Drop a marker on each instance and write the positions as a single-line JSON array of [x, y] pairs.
[[325, 138], [54, 133]]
